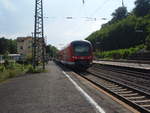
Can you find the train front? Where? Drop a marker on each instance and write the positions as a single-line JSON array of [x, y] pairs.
[[82, 54]]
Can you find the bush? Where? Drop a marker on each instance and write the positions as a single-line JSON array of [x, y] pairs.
[[148, 43], [4, 75], [30, 69], [12, 73], [16, 72], [36, 70], [116, 55], [126, 54], [2, 68], [12, 70], [119, 54]]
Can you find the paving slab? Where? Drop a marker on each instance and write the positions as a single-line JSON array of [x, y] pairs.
[[52, 92], [49, 92]]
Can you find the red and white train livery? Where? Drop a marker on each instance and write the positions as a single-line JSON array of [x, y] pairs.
[[77, 54]]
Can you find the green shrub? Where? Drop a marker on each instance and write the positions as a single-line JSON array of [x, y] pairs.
[[30, 69], [12, 73], [4, 75], [12, 70], [148, 43], [126, 54], [2, 68], [36, 70], [119, 54], [116, 55]]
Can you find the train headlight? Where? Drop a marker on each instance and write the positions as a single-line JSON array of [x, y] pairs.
[[74, 57], [89, 57]]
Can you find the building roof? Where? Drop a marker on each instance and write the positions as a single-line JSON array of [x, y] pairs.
[[24, 38], [13, 54]]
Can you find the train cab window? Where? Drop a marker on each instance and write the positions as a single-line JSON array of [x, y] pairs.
[[81, 49]]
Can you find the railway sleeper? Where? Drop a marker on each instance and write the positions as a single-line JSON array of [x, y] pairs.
[[119, 90], [142, 101], [137, 97], [146, 105], [114, 88], [129, 95], [124, 92]]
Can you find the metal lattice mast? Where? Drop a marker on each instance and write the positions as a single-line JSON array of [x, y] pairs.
[[122, 3], [38, 40]]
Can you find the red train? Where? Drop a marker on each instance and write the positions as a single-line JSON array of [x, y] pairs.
[[77, 54]]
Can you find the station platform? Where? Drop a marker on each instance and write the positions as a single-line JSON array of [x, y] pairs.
[[53, 92], [125, 64]]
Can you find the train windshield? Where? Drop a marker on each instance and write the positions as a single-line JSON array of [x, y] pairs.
[[81, 49]]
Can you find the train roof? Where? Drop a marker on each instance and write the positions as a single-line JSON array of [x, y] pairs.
[[76, 41]]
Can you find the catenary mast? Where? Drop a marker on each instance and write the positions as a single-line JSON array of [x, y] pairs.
[[38, 40], [122, 3]]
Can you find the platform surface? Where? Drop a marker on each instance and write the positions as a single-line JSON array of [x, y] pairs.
[[49, 92], [124, 64]]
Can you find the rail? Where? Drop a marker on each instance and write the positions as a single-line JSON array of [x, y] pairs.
[[132, 96]]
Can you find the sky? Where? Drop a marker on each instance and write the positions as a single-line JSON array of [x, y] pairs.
[[17, 18]]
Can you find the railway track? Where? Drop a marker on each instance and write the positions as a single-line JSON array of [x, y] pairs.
[[137, 80], [131, 95], [134, 96], [131, 71]]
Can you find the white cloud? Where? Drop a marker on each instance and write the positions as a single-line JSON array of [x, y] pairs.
[[14, 35], [8, 5]]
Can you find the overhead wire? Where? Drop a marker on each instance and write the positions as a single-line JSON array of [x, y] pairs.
[[100, 7], [86, 17], [91, 17]]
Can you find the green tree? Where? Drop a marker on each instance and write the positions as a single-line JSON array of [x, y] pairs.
[[12, 46], [6, 59], [119, 14], [147, 42], [121, 34], [4, 45], [8, 45], [51, 50], [142, 7]]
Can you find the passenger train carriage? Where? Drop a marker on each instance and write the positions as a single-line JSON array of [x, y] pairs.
[[77, 54]]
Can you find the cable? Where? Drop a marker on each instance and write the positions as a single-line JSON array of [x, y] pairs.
[[100, 7]]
